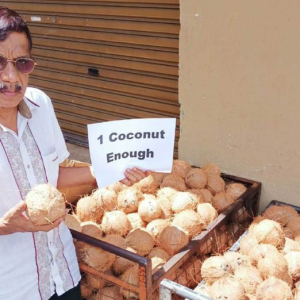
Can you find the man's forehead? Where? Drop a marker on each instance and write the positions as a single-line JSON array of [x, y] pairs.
[[16, 42]]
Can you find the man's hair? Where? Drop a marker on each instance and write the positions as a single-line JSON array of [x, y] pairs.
[[10, 21]]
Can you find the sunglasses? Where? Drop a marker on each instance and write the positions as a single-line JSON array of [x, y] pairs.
[[23, 65]]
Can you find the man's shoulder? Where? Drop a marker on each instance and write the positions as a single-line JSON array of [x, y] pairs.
[[37, 97]]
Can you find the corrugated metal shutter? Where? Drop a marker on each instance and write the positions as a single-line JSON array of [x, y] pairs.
[[134, 45]]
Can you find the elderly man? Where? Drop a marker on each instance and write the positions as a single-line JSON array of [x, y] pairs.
[[36, 262]]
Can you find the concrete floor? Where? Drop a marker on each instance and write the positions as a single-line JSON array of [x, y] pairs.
[[79, 153]]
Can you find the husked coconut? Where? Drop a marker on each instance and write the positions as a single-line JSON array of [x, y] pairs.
[[215, 184], [80, 248], [207, 213], [130, 276], [89, 209], [196, 179], [189, 221], [159, 252], [164, 199], [115, 240], [237, 260], [249, 277], [117, 187], [203, 289], [297, 294], [122, 264], [45, 204], [207, 195], [235, 190], [214, 268], [198, 194], [174, 181], [221, 201], [281, 214], [258, 219], [108, 293], [297, 236], [227, 288], [272, 289], [260, 251], [294, 224], [181, 168], [293, 261], [92, 229], [72, 222], [128, 200], [107, 199], [172, 239], [95, 282], [135, 221], [183, 201], [211, 168], [268, 232], [85, 290], [290, 246], [149, 210], [147, 185], [158, 176], [157, 263], [288, 233], [155, 227], [115, 222], [141, 241]]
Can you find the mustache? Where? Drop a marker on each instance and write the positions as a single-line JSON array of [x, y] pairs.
[[12, 88]]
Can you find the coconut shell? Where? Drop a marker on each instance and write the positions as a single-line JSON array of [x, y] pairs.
[[288, 233], [294, 224], [136, 221], [155, 227], [240, 216], [207, 195], [237, 260], [107, 199], [297, 295], [293, 260], [260, 251], [221, 201], [235, 190], [203, 289], [174, 181], [181, 168], [164, 199], [80, 248], [122, 264], [189, 221], [247, 243], [196, 179], [207, 213], [45, 204], [193, 273], [183, 201], [290, 246], [281, 214], [128, 200], [215, 184], [172, 239], [115, 240], [148, 185], [115, 222], [258, 219], [85, 290], [141, 241], [211, 168], [159, 252], [108, 293], [198, 193], [157, 263], [117, 187], [72, 222], [95, 282], [92, 229], [149, 210], [89, 209], [130, 276], [272, 289], [297, 236]]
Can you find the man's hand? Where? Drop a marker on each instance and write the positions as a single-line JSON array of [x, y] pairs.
[[14, 221], [133, 175]]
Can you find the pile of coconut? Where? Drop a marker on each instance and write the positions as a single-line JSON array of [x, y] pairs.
[[267, 265]]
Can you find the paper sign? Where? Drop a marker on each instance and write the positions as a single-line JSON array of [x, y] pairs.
[[147, 144]]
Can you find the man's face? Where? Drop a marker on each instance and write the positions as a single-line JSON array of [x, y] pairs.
[[16, 45]]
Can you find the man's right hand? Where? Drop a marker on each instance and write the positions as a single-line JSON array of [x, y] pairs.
[[14, 221]]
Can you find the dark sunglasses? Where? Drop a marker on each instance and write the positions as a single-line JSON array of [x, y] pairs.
[[23, 65]]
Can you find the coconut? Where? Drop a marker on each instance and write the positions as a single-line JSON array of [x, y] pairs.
[[157, 263], [158, 176], [237, 260], [288, 233], [240, 216], [274, 288], [117, 187], [141, 241], [249, 277], [203, 289], [198, 194], [221, 201], [207, 195], [115, 240], [174, 181], [164, 198], [293, 260], [72, 222], [294, 224], [297, 236], [189, 221], [214, 268], [234, 231], [181, 168], [149, 210], [220, 240], [235, 190], [147, 185], [215, 184], [155, 227], [122, 264], [281, 214], [108, 293], [207, 213], [94, 282], [85, 290], [80, 248], [258, 219], [211, 168], [130, 276], [128, 200], [92, 229], [107, 199], [172, 239], [89, 209], [98, 259], [135, 221], [251, 297], [290, 246], [196, 179], [258, 252], [183, 201], [115, 222], [227, 288], [297, 295], [45, 204], [159, 252]]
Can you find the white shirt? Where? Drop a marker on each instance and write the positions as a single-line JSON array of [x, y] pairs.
[[33, 265]]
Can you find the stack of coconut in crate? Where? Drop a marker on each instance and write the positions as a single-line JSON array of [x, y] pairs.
[[154, 218], [267, 267]]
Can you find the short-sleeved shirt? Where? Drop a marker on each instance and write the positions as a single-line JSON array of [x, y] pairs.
[[33, 266]]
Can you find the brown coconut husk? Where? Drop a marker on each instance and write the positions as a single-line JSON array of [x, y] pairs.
[[72, 222], [211, 168], [260, 251], [288, 233], [141, 241], [249, 277], [221, 201], [198, 193], [208, 196], [174, 181], [235, 190], [183, 201], [117, 187], [258, 219], [297, 236], [115, 222], [237, 260], [290, 245], [115, 240], [86, 291], [136, 221], [241, 216], [164, 198], [107, 199], [80, 248], [155, 227], [172, 239], [45, 204], [207, 213], [294, 224], [268, 232], [274, 288], [193, 271], [148, 185], [92, 229], [189, 221], [293, 261], [95, 282], [196, 179], [128, 200], [281, 214], [215, 184], [89, 209], [159, 252], [149, 210], [214, 268], [108, 293], [181, 168], [122, 264], [130, 276], [157, 263]]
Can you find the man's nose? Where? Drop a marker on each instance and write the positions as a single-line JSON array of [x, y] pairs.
[[10, 73]]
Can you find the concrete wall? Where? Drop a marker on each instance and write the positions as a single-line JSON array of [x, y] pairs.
[[240, 90]]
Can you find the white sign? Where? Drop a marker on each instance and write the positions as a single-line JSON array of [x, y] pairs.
[[147, 144]]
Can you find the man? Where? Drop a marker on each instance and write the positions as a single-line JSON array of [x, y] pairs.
[[36, 262]]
